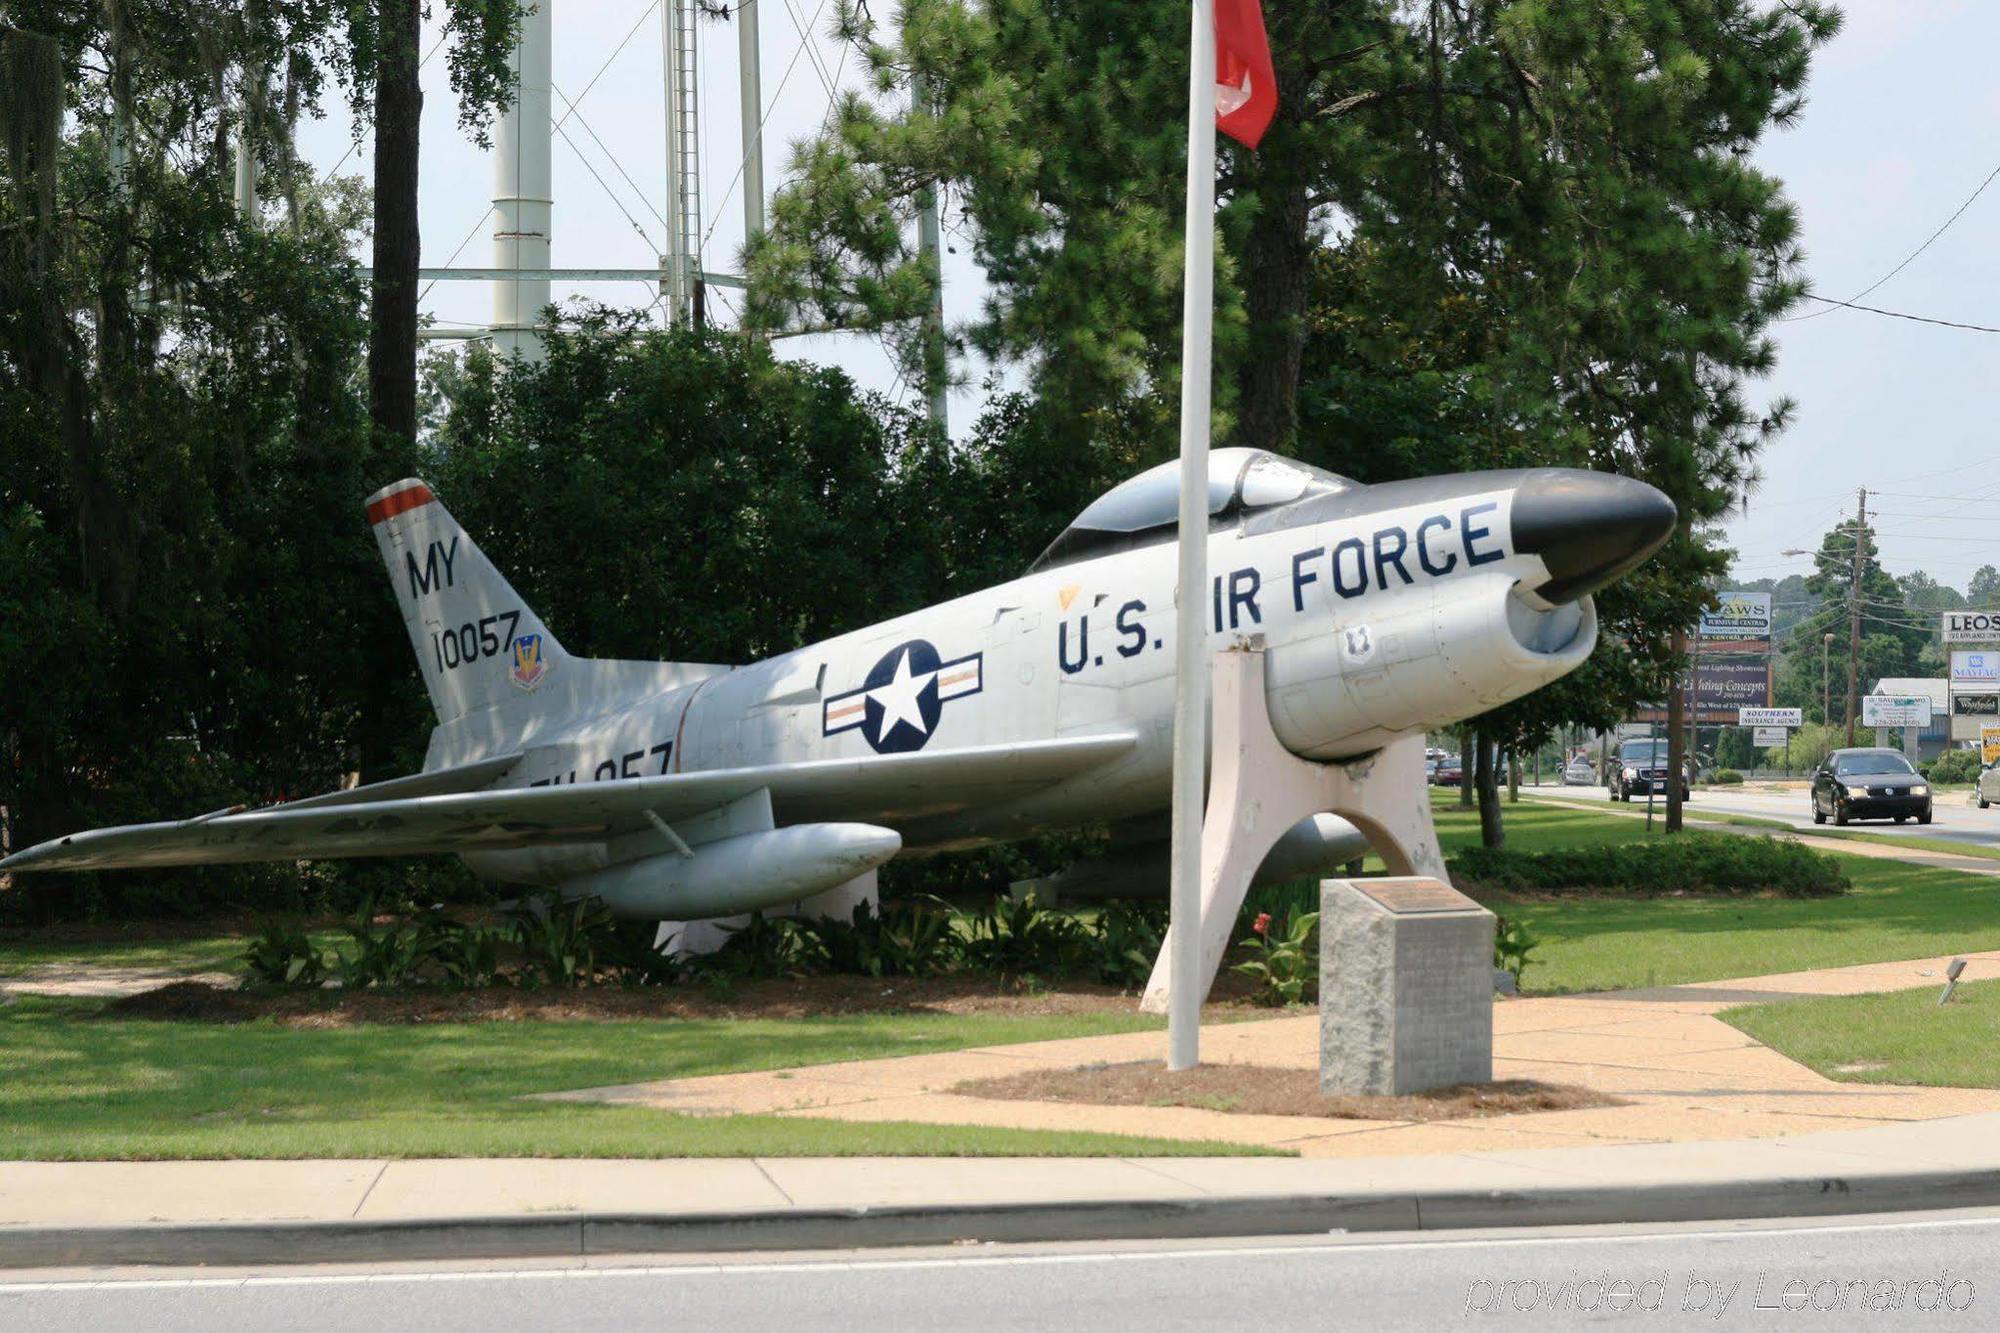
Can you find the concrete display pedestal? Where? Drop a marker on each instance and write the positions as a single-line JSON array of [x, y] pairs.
[[1257, 790], [1405, 987]]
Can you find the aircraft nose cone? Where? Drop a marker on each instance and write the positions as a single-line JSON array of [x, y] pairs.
[[1588, 527]]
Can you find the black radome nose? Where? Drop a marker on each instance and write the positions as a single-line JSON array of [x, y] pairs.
[[1588, 527]]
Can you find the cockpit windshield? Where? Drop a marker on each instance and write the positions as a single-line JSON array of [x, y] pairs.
[[1146, 509]]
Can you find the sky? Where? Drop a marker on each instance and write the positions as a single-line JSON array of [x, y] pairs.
[[1898, 131]]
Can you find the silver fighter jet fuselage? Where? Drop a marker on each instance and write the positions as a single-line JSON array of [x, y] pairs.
[[682, 790]]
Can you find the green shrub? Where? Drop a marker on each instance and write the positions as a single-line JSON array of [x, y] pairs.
[[283, 956], [1281, 902], [465, 957], [1726, 777], [1953, 766], [762, 949], [1019, 937], [911, 938], [384, 953], [1126, 941], [1704, 863], [1513, 946], [561, 941], [1283, 962]]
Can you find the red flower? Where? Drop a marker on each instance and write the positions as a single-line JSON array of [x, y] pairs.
[[1262, 923]]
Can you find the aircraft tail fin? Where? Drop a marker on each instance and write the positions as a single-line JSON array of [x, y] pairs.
[[478, 644]]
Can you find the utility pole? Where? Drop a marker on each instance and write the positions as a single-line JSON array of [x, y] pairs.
[[1854, 610], [1825, 688]]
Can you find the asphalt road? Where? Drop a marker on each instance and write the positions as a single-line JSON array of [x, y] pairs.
[[1939, 1269], [1954, 816]]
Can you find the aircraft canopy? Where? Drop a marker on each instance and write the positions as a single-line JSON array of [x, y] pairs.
[[1146, 508]]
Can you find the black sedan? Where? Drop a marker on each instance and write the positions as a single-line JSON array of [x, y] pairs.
[[1869, 784]]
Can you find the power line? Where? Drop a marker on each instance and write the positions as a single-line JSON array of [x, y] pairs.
[[1898, 314], [1907, 261]]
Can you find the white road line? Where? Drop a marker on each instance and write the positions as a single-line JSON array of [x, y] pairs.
[[753, 1268]]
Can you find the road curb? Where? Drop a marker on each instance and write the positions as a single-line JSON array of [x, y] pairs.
[[582, 1234]]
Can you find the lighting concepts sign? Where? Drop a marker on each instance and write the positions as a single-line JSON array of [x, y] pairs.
[[1738, 615]]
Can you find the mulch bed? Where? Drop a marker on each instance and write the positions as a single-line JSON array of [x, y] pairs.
[[1263, 1090], [790, 998]]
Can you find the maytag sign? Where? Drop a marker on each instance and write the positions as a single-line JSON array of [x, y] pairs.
[[1895, 710], [1738, 615], [1770, 717], [1972, 626], [1975, 670]]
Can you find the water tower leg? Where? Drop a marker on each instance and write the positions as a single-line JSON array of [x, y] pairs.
[[1258, 789], [522, 187]]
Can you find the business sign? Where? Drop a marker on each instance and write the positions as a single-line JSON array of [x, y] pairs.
[[1770, 738], [1895, 710], [1770, 717], [1720, 689], [1711, 650], [1975, 705], [1989, 742], [1738, 615], [1975, 670], [1972, 626]]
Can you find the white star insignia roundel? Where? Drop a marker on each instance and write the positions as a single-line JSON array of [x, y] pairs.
[[897, 706]]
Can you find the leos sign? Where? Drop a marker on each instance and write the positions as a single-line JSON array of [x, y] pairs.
[[1971, 626]]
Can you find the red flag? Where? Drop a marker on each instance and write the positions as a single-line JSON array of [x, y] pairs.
[[1246, 89]]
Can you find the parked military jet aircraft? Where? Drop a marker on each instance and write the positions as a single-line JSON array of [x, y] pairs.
[[683, 791]]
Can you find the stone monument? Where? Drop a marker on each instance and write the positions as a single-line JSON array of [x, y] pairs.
[[1405, 986]]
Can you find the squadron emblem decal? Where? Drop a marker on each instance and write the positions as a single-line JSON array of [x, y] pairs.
[[898, 705], [529, 665]]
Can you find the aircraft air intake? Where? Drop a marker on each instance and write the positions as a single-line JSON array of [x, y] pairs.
[[1436, 657]]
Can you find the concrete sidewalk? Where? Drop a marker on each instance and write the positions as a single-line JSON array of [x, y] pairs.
[[106, 1213], [1682, 1073]]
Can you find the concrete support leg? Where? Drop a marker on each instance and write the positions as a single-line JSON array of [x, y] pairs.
[[838, 903], [1258, 789]]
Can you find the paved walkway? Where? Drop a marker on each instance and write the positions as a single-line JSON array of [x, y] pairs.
[[1683, 1073]]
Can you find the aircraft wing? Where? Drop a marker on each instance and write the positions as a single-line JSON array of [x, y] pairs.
[[886, 789]]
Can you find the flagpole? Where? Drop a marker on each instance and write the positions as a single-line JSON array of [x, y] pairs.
[[1191, 664]]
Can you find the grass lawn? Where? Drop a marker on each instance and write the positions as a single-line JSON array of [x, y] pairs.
[[1895, 910], [76, 1085], [1900, 1037]]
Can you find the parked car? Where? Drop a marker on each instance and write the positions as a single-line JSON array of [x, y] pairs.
[[1988, 786], [1869, 784], [1642, 770], [1448, 773], [1580, 772]]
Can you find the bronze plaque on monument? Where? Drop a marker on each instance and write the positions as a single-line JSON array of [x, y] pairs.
[[1414, 895]]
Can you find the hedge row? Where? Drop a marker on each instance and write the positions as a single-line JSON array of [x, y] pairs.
[[1698, 863]]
